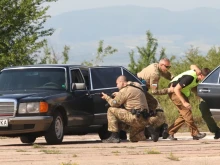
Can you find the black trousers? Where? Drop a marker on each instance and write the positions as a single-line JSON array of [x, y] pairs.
[[207, 117]]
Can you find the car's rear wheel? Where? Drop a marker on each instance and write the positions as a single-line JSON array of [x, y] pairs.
[[28, 139], [55, 133], [104, 133]]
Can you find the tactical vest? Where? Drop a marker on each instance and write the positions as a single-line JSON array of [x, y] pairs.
[[187, 89]]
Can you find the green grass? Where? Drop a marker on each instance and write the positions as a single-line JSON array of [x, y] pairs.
[[69, 163], [74, 155], [173, 157], [115, 152], [205, 142], [37, 146], [131, 147], [133, 153], [152, 151], [21, 151], [118, 147], [51, 151]]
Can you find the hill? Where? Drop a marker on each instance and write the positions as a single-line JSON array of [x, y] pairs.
[[124, 28]]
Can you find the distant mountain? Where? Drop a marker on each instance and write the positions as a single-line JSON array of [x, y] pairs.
[[124, 27]]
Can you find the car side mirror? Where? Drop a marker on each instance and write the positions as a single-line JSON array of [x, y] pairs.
[[78, 86]]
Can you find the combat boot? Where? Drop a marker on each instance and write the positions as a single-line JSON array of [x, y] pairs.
[[123, 135], [217, 134], [154, 133], [114, 138], [146, 133], [165, 133]]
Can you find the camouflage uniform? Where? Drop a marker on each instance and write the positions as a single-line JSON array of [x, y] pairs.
[[151, 74], [122, 119]]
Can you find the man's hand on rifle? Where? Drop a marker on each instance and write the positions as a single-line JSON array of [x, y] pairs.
[[104, 96], [114, 94]]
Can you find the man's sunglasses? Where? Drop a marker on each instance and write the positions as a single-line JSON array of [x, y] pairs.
[[167, 66]]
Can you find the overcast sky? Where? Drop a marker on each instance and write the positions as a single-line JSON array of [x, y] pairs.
[[175, 5]]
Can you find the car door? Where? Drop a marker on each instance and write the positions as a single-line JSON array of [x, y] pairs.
[[103, 79], [209, 90], [81, 104]]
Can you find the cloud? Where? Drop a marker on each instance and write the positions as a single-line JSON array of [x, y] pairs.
[[201, 44]]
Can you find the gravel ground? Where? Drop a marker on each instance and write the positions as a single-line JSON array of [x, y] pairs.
[[89, 150]]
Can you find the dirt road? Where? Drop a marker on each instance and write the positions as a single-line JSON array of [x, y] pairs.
[[88, 150]]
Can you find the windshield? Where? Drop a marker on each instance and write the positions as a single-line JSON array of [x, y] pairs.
[[33, 79]]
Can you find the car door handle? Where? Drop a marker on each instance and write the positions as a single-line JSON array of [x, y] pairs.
[[204, 90]]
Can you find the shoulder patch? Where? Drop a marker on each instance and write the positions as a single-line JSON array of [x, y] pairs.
[[114, 102]]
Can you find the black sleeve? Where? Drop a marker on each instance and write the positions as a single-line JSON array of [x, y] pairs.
[[185, 80]]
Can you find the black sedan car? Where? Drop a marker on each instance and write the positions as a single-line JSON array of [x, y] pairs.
[[56, 100]]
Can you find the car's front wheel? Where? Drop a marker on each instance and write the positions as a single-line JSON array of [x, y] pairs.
[[55, 133], [28, 139]]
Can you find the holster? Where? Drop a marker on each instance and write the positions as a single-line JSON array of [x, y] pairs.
[[154, 113], [139, 113]]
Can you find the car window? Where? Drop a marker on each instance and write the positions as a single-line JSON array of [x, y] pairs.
[[33, 78], [105, 77], [213, 77], [86, 77], [129, 76], [76, 76]]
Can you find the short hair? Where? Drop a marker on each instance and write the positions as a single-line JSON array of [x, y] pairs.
[[205, 71], [122, 78], [164, 60]]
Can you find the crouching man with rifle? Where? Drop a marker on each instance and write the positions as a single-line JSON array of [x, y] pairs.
[[134, 117]]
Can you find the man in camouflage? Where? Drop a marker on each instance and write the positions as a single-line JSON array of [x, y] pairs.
[[132, 97], [151, 74]]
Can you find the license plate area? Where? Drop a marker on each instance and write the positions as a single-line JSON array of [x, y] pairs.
[[3, 122]]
